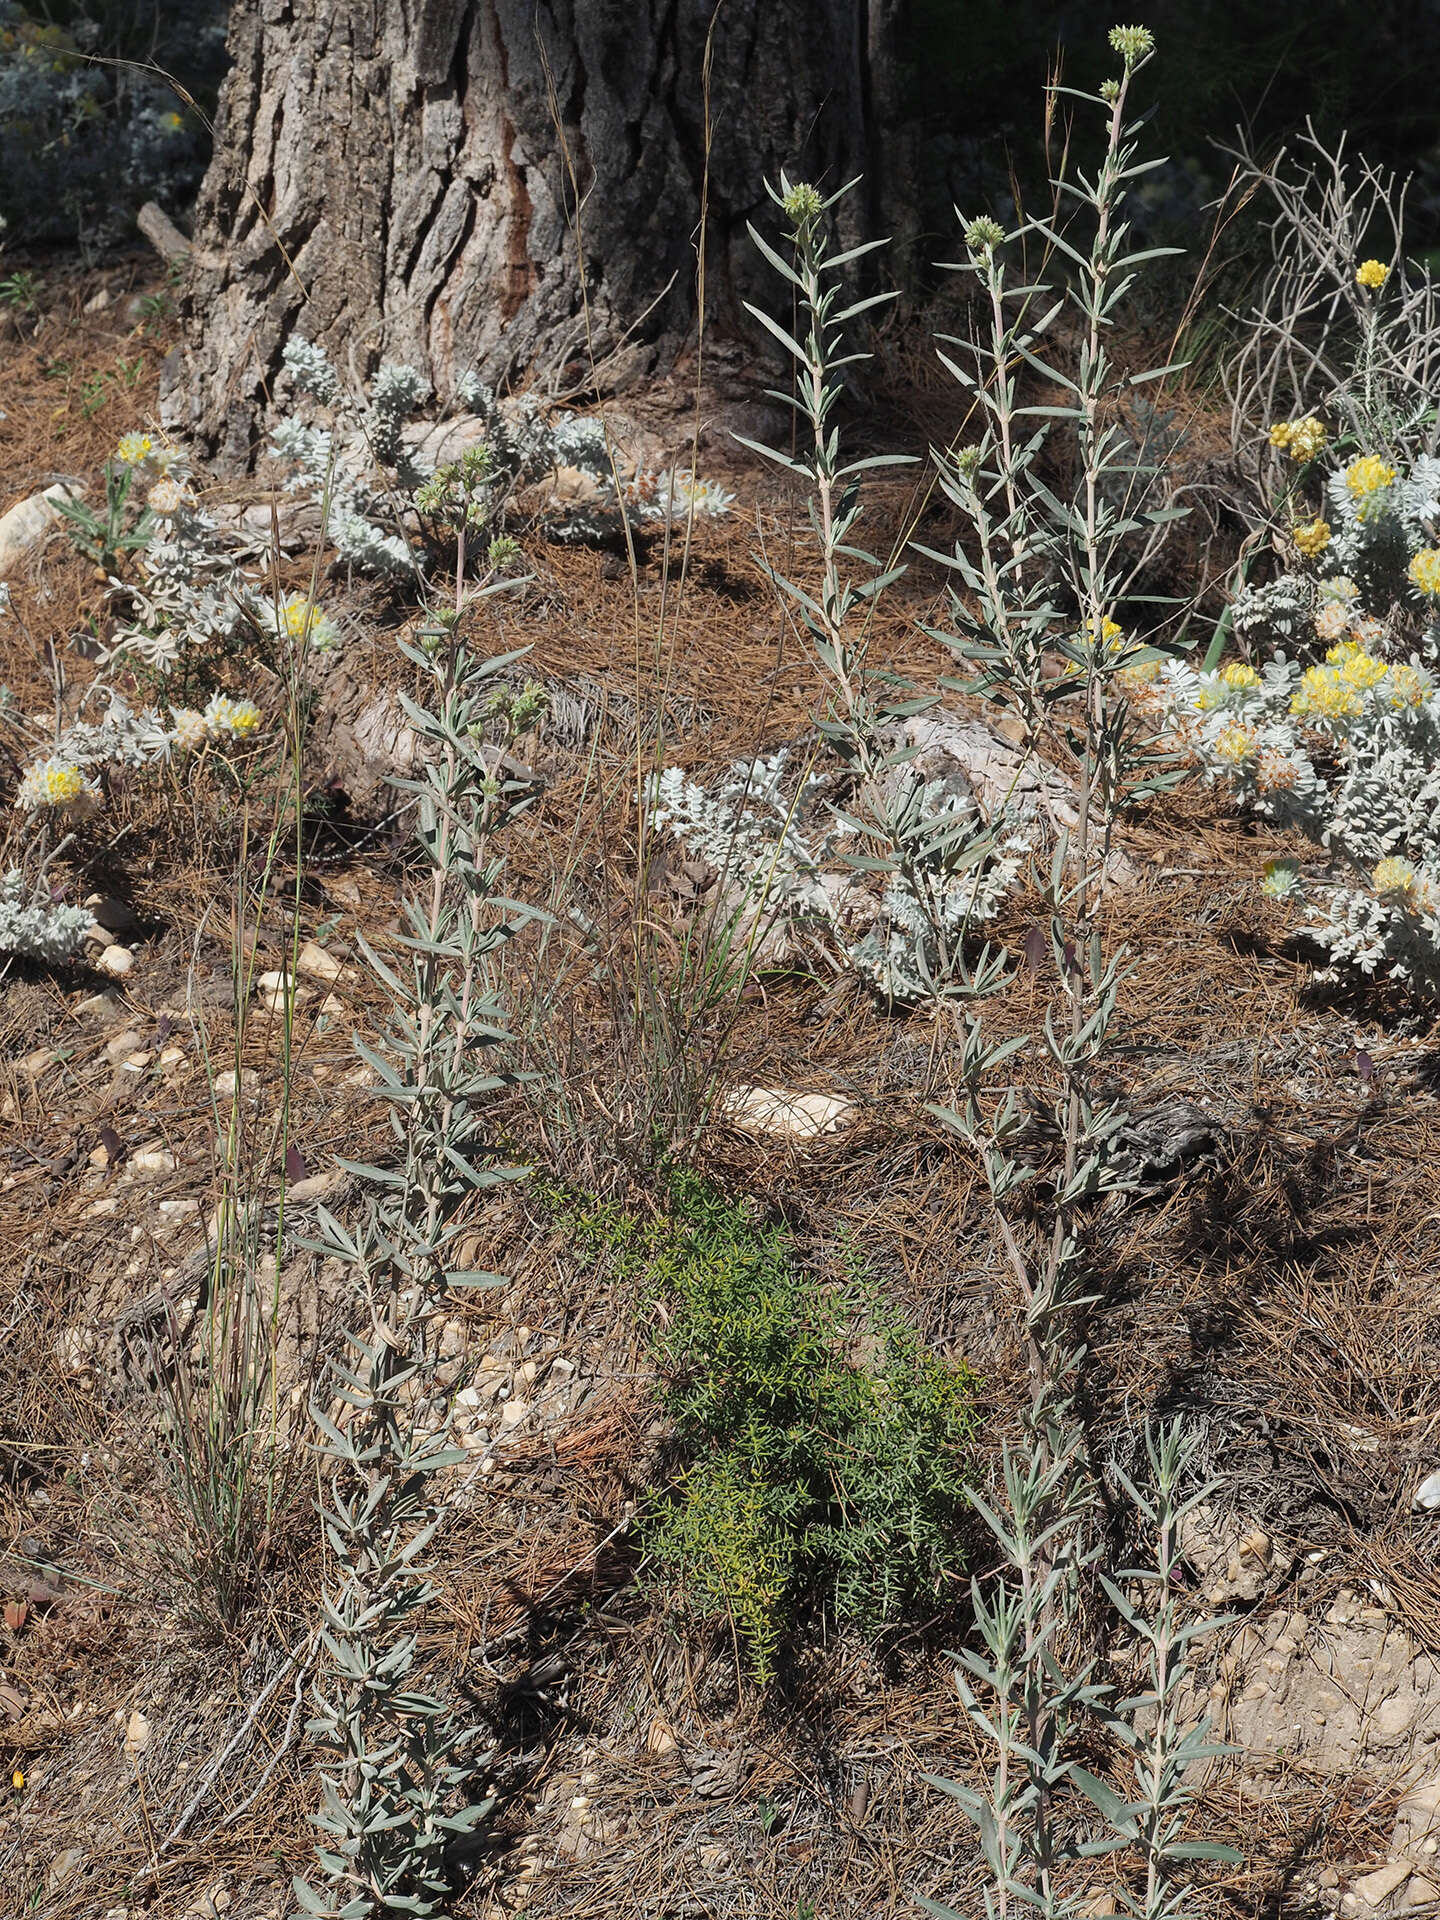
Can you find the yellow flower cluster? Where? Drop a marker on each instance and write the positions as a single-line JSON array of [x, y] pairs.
[[1424, 571], [1334, 691], [1236, 744], [57, 783], [1372, 274], [1312, 538], [236, 718], [301, 619], [134, 449], [1301, 439], [1355, 666], [1368, 475], [1394, 876], [1407, 686], [1237, 677]]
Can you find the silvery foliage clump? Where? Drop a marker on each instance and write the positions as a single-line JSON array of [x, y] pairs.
[[371, 482], [1030, 561], [943, 865], [399, 1780], [776, 862], [193, 597], [121, 737], [35, 927]]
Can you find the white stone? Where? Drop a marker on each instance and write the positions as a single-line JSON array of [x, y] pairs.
[[153, 1160], [229, 1083], [116, 961], [106, 1005], [1376, 1888], [28, 522], [1427, 1494], [137, 1733], [792, 1116], [514, 1412], [122, 1045], [319, 964]]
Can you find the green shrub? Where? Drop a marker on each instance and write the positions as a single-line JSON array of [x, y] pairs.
[[828, 1449]]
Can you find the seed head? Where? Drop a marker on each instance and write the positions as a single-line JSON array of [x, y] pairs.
[[803, 204], [982, 236], [1133, 44]]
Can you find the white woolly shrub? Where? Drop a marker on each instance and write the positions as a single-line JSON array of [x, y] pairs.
[[377, 491], [776, 861], [33, 927]]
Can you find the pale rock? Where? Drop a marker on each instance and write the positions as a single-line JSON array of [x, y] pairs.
[[98, 302], [1427, 1494], [514, 1413], [316, 1187], [178, 1209], [116, 961], [153, 1160], [136, 1062], [1417, 1819], [34, 1064], [29, 521], [791, 1116], [122, 1046], [1421, 1892], [172, 1057], [1376, 1888], [660, 1739], [105, 1005], [137, 1734], [319, 964], [1392, 1720], [99, 1209], [229, 1083], [331, 1005], [64, 1866]]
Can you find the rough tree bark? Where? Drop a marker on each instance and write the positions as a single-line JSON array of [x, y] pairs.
[[394, 178]]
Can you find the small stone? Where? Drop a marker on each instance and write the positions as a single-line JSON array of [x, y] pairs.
[[1376, 1888], [136, 1062], [178, 1209], [1421, 1892], [660, 1738], [153, 1160], [1427, 1494], [137, 1734], [792, 1116], [171, 1058], [318, 1186], [1328, 1877], [28, 522], [106, 1005], [98, 1209], [229, 1083], [116, 961], [319, 964], [34, 1064], [122, 1045], [98, 302], [513, 1413], [64, 1867]]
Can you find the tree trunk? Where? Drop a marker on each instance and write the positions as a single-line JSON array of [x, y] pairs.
[[397, 179]]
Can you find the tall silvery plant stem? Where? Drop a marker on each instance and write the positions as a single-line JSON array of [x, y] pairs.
[[1038, 629], [397, 1789]]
